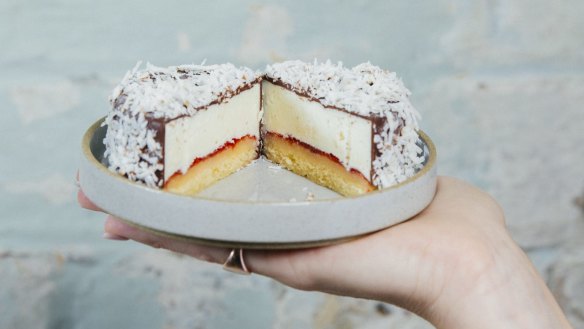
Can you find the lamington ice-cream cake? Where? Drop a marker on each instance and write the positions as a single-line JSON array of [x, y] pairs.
[[183, 128]]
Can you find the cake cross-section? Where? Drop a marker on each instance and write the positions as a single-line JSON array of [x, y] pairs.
[[183, 128]]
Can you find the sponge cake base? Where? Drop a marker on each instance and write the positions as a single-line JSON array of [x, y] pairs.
[[317, 166]]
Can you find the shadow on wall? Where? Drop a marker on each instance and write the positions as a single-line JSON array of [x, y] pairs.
[[579, 202]]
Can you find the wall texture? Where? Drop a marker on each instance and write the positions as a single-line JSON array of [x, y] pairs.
[[500, 85]]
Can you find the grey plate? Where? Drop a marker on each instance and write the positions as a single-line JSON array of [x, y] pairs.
[[260, 206]]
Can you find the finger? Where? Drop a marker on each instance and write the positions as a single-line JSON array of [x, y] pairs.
[[117, 227], [85, 202], [110, 236], [284, 266], [294, 268]]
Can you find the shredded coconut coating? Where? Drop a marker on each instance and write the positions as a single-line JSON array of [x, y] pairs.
[[132, 148], [368, 91]]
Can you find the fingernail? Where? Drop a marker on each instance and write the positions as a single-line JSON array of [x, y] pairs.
[[110, 236]]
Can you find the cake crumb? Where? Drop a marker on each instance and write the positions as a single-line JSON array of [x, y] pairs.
[[274, 167]]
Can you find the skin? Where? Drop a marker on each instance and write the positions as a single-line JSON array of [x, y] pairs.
[[454, 264]]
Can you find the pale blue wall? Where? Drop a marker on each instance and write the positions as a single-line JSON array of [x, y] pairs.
[[500, 85]]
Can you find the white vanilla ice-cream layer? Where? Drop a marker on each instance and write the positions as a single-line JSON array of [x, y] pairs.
[[346, 136], [196, 136]]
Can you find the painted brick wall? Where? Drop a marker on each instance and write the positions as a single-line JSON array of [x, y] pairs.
[[500, 85]]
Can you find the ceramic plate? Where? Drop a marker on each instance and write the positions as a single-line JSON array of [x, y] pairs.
[[260, 206]]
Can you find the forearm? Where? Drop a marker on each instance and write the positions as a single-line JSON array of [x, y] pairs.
[[511, 295]]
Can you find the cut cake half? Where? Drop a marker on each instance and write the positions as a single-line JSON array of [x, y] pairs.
[[183, 128], [351, 130]]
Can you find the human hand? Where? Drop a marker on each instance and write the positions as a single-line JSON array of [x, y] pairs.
[[454, 264]]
